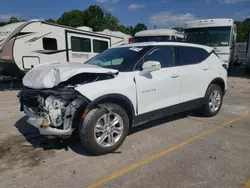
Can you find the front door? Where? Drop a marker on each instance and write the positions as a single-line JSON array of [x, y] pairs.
[[158, 89]]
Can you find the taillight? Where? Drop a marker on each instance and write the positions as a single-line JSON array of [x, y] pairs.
[[131, 40], [225, 66]]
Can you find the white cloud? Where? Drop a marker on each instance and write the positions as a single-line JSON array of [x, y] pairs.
[[242, 14], [232, 1], [170, 19], [107, 1], [136, 6], [6, 17]]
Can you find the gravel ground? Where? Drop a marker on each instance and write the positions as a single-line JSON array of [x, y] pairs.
[[218, 157]]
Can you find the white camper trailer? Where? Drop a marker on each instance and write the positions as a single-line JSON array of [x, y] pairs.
[[218, 33], [248, 52], [27, 44], [158, 35], [119, 34]]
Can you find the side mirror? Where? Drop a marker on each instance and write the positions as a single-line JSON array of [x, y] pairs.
[[150, 66]]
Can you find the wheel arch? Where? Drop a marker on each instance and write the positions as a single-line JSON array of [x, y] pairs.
[[220, 82], [118, 99]]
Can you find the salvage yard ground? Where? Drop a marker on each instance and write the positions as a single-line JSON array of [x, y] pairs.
[[178, 151]]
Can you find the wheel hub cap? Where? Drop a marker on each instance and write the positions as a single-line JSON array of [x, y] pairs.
[[108, 129], [214, 101]]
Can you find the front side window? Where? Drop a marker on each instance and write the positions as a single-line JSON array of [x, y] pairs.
[[210, 36], [190, 55], [100, 46], [162, 54], [49, 43], [80, 44]]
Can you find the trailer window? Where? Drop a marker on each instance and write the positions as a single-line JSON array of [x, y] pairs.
[[100, 46], [80, 44], [49, 43]]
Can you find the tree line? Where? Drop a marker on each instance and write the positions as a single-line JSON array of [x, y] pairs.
[[99, 19], [96, 18]]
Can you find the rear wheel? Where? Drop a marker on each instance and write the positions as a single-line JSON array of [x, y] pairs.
[[213, 101], [104, 130]]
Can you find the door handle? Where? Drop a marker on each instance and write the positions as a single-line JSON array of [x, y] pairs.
[[174, 76], [205, 68]]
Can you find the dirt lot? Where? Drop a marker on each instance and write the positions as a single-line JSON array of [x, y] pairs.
[[178, 151]]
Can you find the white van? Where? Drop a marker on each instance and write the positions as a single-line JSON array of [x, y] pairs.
[[158, 35], [219, 33]]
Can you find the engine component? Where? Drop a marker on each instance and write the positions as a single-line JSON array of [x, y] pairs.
[[55, 107]]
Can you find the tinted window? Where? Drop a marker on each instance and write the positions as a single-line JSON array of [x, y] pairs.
[[49, 44], [210, 36], [190, 55], [163, 54], [100, 46], [179, 39], [80, 44], [152, 38]]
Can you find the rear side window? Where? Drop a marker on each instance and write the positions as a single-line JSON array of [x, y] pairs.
[[80, 44], [100, 46], [163, 54], [190, 55], [49, 44]]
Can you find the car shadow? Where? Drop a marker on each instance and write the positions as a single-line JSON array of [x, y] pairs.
[[54, 143], [158, 122], [33, 136]]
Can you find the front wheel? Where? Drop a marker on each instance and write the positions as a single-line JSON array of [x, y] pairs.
[[213, 101], [104, 130]]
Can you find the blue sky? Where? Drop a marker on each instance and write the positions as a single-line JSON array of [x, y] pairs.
[[162, 13]]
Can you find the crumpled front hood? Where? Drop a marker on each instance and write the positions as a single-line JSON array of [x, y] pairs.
[[51, 74]]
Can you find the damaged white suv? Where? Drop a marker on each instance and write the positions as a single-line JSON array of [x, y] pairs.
[[120, 88]]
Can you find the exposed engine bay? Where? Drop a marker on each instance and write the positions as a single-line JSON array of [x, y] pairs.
[[60, 107]]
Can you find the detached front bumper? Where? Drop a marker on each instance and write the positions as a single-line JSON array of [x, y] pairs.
[[36, 121]]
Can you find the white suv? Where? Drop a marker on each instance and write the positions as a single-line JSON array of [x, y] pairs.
[[120, 88]]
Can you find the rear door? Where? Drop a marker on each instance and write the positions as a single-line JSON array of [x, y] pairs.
[[82, 47], [195, 72]]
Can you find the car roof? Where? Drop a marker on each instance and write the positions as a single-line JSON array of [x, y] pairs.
[[142, 44]]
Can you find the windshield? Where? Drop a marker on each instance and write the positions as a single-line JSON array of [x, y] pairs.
[[152, 38], [211, 36], [122, 59]]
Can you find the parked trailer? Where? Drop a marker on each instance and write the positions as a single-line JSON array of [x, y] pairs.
[[159, 35], [25, 45], [126, 37], [248, 52], [218, 33]]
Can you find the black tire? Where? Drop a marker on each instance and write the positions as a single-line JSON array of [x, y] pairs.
[[86, 129], [205, 110]]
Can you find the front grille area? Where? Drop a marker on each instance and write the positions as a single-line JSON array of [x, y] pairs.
[[29, 97]]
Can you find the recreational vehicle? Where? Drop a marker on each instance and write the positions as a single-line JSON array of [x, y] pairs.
[[25, 45], [158, 35], [248, 52], [218, 33], [125, 36]]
